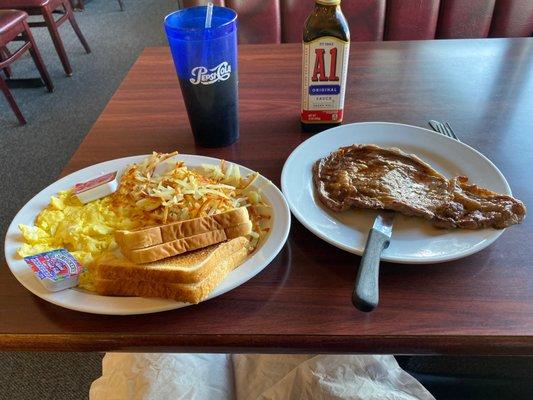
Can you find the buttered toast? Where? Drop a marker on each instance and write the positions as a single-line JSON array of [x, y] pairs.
[[152, 236], [186, 244], [188, 277]]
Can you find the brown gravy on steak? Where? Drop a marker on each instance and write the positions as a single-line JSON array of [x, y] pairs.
[[367, 176]]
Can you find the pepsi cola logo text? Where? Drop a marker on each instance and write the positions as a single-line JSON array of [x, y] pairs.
[[201, 75]]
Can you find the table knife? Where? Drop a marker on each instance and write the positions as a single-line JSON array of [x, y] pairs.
[[365, 295]]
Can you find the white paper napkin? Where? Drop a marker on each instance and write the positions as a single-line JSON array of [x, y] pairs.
[[150, 376]]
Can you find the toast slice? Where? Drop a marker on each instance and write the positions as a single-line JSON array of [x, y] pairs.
[[211, 265], [179, 246], [191, 267], [147, 237]]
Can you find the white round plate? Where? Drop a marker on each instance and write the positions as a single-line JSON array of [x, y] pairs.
[[80, 300], [414, 241]]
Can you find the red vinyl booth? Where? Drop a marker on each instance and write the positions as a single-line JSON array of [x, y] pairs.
[[277, 21]]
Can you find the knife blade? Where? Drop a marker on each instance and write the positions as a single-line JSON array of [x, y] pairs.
[[365, 296]]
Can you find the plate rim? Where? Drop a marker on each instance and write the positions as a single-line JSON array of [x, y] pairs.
[[392, 259], [164, 304]]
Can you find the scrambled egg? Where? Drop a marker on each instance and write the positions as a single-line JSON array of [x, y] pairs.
[[86, 231]]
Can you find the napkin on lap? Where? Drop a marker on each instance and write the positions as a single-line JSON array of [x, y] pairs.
[[151, 376], [328, 377], [147, 376]]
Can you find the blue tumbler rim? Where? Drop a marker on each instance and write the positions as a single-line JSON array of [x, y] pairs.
[[178, 32]]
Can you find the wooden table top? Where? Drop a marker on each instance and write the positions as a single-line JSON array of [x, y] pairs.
[[301, 302]]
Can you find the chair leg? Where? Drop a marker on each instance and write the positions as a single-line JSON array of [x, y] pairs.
[[4, 55], [37, 59], [56, 39], [80, 5], [121, 4], [11, 101], [74, 23]]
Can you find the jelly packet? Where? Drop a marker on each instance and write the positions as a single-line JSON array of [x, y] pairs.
[[56, 270]]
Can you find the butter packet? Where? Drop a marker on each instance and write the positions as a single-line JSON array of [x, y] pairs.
[[96, 188]]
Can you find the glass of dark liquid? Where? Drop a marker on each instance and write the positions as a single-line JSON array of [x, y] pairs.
[[204, 49]]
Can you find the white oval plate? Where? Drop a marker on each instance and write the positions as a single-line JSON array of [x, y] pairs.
[[414, 241], [81, 300]]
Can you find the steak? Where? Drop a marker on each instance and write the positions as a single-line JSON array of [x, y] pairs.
[[368, 176]]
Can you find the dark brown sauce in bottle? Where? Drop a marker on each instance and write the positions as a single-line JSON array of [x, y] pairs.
[[326, 42]]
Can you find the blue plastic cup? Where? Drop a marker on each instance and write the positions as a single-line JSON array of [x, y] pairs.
[[206, 64]]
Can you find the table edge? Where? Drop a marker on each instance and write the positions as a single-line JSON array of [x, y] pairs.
[[275, 344]]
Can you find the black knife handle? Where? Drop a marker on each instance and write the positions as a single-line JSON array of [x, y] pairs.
[[365, 295]]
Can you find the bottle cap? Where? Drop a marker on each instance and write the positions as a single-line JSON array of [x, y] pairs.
[[328, 2]]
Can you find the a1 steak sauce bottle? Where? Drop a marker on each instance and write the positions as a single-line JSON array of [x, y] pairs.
[[326, 47]]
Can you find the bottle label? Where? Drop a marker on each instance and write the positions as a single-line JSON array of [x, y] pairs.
[[324, 67]]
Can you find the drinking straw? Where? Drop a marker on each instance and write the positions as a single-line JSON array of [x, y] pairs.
[[208, 15], [207, 26]]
